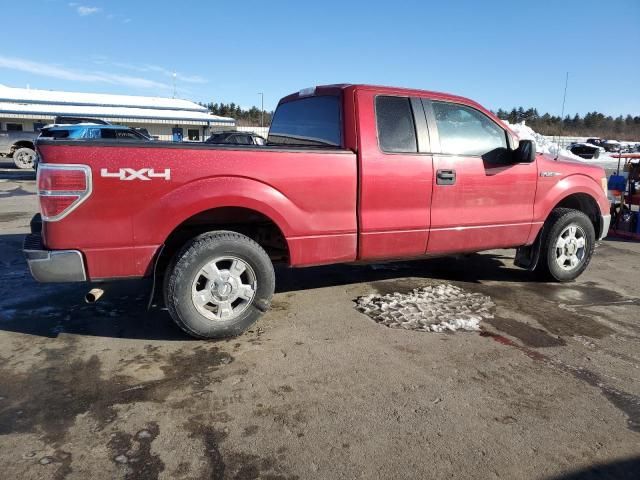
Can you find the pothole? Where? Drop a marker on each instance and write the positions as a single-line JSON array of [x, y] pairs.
[[436, 308]]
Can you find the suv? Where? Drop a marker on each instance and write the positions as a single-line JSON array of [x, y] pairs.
[[92, 131], [584, 150]]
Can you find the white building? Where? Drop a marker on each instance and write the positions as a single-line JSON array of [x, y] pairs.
[[28, 110]]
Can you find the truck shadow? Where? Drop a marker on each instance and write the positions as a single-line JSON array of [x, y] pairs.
[[48, 310], [471, 268], [617, 470], [16, 174]]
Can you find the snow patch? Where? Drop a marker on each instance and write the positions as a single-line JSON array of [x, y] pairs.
[[543, 145], [437, 308], [549, 147]]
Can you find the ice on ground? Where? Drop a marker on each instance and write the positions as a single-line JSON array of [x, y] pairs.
[[437, 308]]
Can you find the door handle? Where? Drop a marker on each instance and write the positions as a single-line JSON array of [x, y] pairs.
[[446, 177]]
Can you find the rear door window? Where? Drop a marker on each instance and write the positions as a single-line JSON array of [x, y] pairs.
[[311, 121], [396, 129], [466, 131]]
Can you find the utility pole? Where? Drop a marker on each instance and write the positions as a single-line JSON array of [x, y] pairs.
[[261, 109], [564, 99], [174, 84]]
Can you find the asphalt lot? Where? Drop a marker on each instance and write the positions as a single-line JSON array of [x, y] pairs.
[[549, 389]]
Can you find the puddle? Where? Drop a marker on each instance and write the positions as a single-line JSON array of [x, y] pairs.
[[12, 216], [561, 309], [223, 462], [137, 459], [48, 400], [627, 403], [530, 336]]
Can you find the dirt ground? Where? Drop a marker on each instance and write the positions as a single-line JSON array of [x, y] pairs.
[[316, 390]]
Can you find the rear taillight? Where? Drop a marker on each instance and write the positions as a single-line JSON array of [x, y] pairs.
[[61, 188]]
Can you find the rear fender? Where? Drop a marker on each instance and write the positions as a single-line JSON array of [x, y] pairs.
[[153, 224]]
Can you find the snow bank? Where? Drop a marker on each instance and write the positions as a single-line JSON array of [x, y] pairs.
[[437, 308], [543, 145]]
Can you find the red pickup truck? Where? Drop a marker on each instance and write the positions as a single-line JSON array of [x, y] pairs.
[[350, 173]]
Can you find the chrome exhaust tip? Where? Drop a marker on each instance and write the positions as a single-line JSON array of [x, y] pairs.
[[93, 295]]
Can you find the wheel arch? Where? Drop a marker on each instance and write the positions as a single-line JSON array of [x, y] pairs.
[[584, 203], [22, 144], [250, 222], [239, 204], [579, 192]]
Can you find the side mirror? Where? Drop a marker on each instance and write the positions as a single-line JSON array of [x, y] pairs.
[[525, 153]]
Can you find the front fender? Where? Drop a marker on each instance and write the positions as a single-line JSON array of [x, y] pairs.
[[569, 185], [550, 194], [153, 224]]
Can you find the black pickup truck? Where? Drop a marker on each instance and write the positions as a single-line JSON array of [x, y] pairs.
[[19, 146]]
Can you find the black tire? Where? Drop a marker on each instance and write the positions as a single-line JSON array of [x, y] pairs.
[[25, 158], [184, 270], [549, 267]]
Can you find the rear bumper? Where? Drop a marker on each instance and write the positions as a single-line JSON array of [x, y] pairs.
[[605, 221], [52, 265]]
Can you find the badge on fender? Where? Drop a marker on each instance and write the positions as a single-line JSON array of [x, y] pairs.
[[133, 174]]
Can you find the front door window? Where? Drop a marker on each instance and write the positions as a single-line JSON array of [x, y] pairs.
[[466, 131]]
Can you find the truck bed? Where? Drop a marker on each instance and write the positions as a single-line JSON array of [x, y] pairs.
[[310, 193]]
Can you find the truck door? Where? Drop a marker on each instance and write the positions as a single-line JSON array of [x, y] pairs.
[[396, 176], [481, 199]]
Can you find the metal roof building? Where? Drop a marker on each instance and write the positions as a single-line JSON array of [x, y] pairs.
[[28, 110]]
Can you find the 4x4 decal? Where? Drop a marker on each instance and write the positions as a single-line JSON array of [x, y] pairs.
[[133, 174]]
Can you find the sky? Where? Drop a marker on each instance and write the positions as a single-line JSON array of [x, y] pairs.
[[502, 54]]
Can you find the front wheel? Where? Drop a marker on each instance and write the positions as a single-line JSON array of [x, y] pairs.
[[24, 158], [568, 241], [219, 284]]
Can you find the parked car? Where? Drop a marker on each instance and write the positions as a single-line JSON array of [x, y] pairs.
[[350, 173], [144, 132], [236, 137], [19, 146], [584, 150], [92, 131], [628, 147], [611, 145]]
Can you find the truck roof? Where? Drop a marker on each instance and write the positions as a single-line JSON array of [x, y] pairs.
[[337, 87]]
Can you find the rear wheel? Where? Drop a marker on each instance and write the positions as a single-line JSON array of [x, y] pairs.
[[24, 158], [219, 284], [568, 241]]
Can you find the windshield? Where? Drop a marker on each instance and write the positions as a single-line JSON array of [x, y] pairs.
[[311, 121]]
